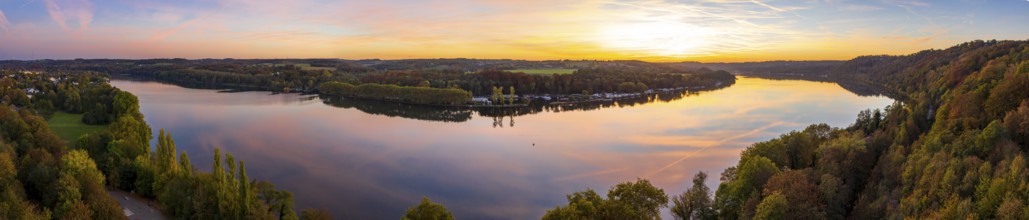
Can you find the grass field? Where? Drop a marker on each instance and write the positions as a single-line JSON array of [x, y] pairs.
[[543, 71], [69, 126]]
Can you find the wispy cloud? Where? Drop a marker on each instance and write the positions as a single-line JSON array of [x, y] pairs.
[[3, 21], [908, 3], [172, 31], [62, 11], [860, 8]]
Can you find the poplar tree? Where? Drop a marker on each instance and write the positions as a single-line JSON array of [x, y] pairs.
[[510, 99], [187, 168], [244, 191]]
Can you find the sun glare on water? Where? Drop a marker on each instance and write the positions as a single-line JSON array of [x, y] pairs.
[[657, 38]]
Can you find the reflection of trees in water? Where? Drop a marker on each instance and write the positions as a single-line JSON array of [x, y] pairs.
[[499, 121], [855, 86], [498, 114], [868, 89], [392, 109], [502, 116]]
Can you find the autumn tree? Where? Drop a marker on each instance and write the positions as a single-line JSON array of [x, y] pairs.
[[745, 184]]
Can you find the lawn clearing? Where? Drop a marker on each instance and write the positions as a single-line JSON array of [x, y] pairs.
[[559, 71], [69, 126]]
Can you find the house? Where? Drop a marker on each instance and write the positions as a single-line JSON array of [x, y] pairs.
[[482, 100]]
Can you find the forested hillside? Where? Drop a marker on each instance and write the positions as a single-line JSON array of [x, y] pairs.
[[954, 148], [958, 146]]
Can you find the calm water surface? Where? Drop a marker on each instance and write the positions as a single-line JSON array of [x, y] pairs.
[[372, 166]]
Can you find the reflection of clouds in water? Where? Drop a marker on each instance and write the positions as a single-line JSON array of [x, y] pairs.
[[368, 166], [722, 141]]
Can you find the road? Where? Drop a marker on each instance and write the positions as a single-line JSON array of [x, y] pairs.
[[136, 207]]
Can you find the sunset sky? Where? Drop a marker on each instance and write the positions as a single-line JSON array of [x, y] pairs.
[[653, 30]]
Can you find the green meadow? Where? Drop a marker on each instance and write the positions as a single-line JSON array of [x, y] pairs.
[[69, 126]]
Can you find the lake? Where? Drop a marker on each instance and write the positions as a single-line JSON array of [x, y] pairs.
[[371, 161]]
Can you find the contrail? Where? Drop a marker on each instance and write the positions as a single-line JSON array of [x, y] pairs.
[[26, 3], [768, 6], [590, 174], [776, 8], [691, 154]]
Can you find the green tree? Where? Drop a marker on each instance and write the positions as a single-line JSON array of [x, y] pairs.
[[748, 180], [187, 167], [68, 198], [285, 207], [497, 96], [629, 200], [428, 210], [581, 205], [772, 207], [511, 98], [77, 163], [641, 87], [639, 200], [125, 103], [135, 135], [627, 87], [245, 193], [696, 202]]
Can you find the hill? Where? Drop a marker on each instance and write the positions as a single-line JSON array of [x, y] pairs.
[[954, 148]]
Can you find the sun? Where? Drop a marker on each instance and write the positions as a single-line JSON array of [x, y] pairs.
[[657, 38]]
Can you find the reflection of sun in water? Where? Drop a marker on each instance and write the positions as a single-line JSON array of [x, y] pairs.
[[657, 38]]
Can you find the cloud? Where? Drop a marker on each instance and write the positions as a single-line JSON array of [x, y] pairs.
[[63, 11], [3, 21], [909, 3], [860, 8], [175, 30]]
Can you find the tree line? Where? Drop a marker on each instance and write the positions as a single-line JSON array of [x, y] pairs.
[[608, 79], [394, 93], [475, 76]]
